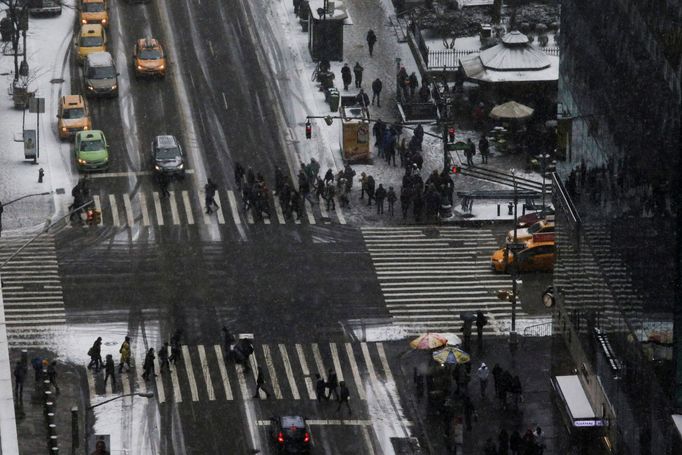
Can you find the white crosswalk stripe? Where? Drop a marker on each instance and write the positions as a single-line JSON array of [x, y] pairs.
[[429, 275], [32, 291], [285, 367]]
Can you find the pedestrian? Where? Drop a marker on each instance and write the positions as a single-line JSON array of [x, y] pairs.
[[481, 321], [109, 371], [404, 201], [280, 179], [349, 173], [346, 76], [37, 364], [329, 176], [164, 181], [357, 71], [332, 384], [515, 443], [175, 346], [296, 203], [424, 94], [52, 375], [506, 381], [379, 197], [528, 442], [371, 41], [414, 83], [19, 378], [482, 373], [391, 198], [1, 210], [210, 189], [377, 86], [260, 383], [489, 448], [469, 412], [497, 373], [163, 357], [466, 331], [503, 442], [95, 354], [297, 7], [484, 148], [124, 350], [370, 190], [417, 206], [378, 131], [148, 365], [319, 188], [343, 192], [517, 391], [362, 99], [320, 387], [329, 195], [469, 152], [539, 441], [344, 397]]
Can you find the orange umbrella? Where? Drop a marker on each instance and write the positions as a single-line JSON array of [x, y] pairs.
[[429, 341]]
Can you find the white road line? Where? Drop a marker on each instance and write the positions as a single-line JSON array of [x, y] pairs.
[[125, 382], [274, 383], [174, 208], [98, 207], [242, 382], [356, 371], [108, 387], [157, 209], [91, 386], [306, 371], [384, 362], [129, 209], [177, 394], [266, 219], [223, 372], [278, 210], [308, 208], [367, 438], [336, 360], [224, 100], [210, 47], [323, 211], [114, 209], [141, 385], [160, 392], [219, 210], [339, 211], [290, 373], [233, 207], [205, 371], [188, 207], [318, 361], [143, 209], [249, 216], [190, 373]]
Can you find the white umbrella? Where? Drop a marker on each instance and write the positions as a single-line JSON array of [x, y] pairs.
[[511, 110]]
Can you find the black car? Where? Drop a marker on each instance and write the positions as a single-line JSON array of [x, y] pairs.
[[167, 157], [290, 434]]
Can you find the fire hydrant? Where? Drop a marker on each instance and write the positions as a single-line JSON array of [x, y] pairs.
[[510, 208], [41, 174]]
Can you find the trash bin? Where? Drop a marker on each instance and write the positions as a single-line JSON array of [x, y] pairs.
[[333, 98]]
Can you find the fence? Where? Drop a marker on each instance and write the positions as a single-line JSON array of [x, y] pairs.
[[448, 58]]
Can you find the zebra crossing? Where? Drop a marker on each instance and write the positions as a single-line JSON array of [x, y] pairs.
[[202, 375], [188, 208], [429, 275], [31, 290]]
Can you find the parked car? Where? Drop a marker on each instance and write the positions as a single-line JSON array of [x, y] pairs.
[[44, 7], [91, 151], [290, 434]]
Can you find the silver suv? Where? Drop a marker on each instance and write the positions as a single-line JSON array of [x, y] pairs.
[[167, 156]]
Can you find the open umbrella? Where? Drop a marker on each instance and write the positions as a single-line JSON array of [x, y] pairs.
[[429, 341], [451, 355], [511, 110]]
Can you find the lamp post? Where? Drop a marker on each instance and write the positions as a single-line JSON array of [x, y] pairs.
[[90, 408], [514, 247], [544, 159]]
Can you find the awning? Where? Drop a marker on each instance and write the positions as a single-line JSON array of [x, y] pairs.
[[576, 403], [677, 420], [475, 70]]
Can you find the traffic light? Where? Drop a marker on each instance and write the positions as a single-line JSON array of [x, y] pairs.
[[451, 134], [308, 129], [456, 169]]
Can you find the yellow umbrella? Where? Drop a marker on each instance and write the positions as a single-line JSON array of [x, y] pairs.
[[451, 355], [429, 341]]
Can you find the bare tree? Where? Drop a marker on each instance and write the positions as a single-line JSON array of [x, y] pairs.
[[17, 13]]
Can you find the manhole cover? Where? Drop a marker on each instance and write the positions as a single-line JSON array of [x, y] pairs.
[[57, 81]]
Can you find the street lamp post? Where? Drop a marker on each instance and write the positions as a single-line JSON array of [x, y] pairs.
[[90, 408], [514, 266], [543, 158]]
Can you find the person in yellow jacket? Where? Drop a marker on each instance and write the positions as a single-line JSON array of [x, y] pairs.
[[125, 355]]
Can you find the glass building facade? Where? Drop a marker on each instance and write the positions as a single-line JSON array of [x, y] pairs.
[[617, 192]]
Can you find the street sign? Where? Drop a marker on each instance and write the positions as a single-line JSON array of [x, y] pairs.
[[30, 144], [36, 105]]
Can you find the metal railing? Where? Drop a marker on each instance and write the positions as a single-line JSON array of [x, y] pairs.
[[538, 330]]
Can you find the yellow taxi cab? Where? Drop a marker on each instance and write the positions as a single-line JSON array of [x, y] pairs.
[[545, 226], [148, 58], [91, 38], [73, 116], [94, 12], [536, 256]]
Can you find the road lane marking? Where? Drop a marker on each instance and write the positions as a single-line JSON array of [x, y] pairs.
[[368, 362], [278, 211], [160, 393], [233, 207], [91, 386], [190, 373], [249, 216], [318, 361], [205, 371], [188, 207], [210, 47], [266, 219], [127, 174], [242, 381], [125, 382], [114, 209], [224, 100], [335, 359], [366, 437], [157, 209], [176, 384], [309, 211], [333, 422], [141, 385], [339, 211], [143, 208], [219, 210], [271, 370], [98, 207], [323, 211], [306, 371], [290, 373], [223, 372], [129, 209], [356, 372], [174, 208], [108, 387]]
